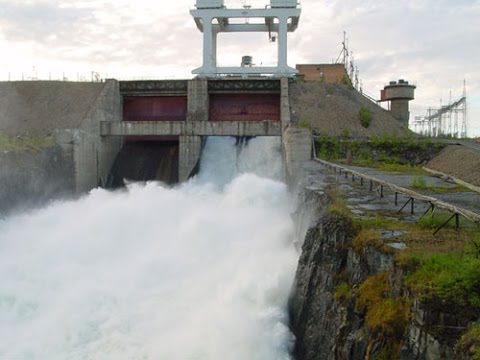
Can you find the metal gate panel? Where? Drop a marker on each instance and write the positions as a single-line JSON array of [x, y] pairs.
[[244, 107], [154, 108]]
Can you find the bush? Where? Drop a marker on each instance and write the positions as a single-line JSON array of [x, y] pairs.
[[365, 117], [469, 343], [345, 134], [328, 147], [452, 278]]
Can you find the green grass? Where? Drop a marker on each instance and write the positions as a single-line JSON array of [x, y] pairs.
[[419, 182], [343, 292], [453, 278], [386, 316], [304, 124], [19, 144], [434, 221]]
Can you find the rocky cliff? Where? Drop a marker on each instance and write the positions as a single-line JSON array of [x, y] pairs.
[[352, 300]]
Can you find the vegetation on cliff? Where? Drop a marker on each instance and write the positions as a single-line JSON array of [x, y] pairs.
[[386, 316], [440, 271], [469, 343], [453, 278]]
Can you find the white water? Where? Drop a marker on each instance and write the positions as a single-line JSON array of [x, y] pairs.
[[198, 272]]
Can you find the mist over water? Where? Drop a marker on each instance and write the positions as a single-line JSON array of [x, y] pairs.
[[201, 271]]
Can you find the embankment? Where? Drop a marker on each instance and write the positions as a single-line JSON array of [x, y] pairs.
[[460, 162], [334, 109]]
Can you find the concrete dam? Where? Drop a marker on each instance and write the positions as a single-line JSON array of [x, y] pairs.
[[169, 119]]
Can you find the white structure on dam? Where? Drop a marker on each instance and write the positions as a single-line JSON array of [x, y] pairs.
[[277, 19]]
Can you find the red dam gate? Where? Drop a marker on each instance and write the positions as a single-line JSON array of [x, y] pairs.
[[244, 107], [154, 108]]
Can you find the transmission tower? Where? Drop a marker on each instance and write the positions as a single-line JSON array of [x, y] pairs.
[[447, 120]]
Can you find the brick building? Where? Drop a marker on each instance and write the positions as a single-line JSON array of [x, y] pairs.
[[329, 73]]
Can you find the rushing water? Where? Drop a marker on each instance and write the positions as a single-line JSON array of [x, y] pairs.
[[201, 271]]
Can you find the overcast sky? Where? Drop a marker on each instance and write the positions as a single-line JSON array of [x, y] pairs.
[[434, 44]]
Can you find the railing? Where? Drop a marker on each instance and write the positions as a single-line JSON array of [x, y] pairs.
[[412, 195], [82, 77]]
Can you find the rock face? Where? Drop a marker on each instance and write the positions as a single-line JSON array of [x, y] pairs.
[[29, 179], [341, 293]]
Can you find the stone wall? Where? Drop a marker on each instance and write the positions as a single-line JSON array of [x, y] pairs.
[[93, 155]]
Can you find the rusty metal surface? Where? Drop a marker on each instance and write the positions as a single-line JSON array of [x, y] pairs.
[[154, 87], [244, 107], [241, 85], [155, 108]]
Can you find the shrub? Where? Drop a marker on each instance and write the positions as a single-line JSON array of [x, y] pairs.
[[365, 117], [453, 278], [469, 343], [345, 134], [328, 147]]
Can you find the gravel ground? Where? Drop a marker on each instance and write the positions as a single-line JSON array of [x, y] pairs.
[[460, 162], [334, 108]]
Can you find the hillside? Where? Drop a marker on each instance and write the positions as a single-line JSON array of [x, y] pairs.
[[335, 109]]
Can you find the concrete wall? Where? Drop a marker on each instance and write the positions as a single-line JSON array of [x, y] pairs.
[[29, 179], [297, 149], [198, 128], [399, 91], [92, 154], [400, 110], [190, 146]]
